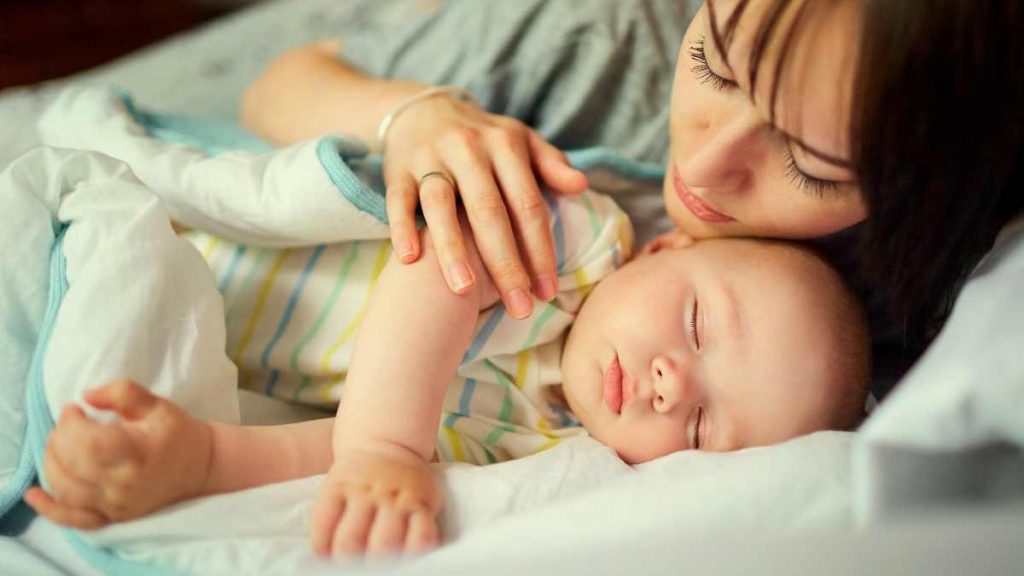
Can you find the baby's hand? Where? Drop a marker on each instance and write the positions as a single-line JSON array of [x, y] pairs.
[[99, 474], [375, 503]]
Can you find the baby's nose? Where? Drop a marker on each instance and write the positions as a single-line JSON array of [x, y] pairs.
[[669, 384]]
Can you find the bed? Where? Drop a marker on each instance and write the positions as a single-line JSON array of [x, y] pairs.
[[933, 483]]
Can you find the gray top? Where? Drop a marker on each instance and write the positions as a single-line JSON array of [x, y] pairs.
[[582, 72]]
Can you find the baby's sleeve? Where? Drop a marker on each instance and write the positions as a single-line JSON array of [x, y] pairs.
[[593, 237]]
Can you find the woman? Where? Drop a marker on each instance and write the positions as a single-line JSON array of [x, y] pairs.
[[788, 118]]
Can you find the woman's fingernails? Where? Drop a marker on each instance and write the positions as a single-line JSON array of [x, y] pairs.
[[404, 251], [519, 303], [545, 288], [460, 276]]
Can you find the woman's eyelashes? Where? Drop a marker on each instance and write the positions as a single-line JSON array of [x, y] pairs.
[[701, 69], [705, 75], [816, 186]]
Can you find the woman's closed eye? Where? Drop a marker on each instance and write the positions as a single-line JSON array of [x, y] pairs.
[[815, 186], [701, 69], [705, 75]]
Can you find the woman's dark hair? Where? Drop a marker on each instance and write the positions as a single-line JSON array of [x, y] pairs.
[[936, 137]]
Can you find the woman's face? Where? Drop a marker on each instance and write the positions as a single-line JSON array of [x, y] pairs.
[[731, 172]]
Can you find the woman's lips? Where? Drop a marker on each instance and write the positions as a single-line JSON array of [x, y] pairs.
[[613, 386], [697, 207]]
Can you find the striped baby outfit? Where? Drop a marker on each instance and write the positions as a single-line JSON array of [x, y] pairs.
[[292, 316]]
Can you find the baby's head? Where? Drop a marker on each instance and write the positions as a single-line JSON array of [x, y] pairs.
[[720, 345]]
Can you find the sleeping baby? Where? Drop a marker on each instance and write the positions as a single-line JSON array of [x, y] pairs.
[[716, 345]]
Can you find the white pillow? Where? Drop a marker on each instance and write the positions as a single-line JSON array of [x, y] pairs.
[[953, 430]]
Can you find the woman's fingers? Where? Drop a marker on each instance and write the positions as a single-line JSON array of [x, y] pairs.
[[497, 167], [401, 199], [528, 212], [437, 197], [492, 228], [553, 168]]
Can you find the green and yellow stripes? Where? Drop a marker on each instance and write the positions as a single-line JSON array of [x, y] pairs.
[[325, 362], [261, 301]]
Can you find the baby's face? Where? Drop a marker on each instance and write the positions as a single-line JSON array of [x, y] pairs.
[[717, 346]]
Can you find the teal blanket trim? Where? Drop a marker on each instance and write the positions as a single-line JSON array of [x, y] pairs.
[[38, 420], [20, 481], [210, 135], [586, 159], [334, 154], [356, 174], [40, 424]]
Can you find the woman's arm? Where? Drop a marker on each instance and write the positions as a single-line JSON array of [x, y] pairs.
[[308, 91]]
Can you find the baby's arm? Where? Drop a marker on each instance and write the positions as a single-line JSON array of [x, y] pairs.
[[156, 454], [379, 496], [410, 343]]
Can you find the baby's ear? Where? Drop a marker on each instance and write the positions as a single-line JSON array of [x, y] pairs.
[[671, 239]]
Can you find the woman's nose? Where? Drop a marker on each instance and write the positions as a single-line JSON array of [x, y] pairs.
[[721, 156], [670, 384]]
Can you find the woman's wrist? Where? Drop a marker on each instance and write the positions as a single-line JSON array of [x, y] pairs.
[[456, 92]]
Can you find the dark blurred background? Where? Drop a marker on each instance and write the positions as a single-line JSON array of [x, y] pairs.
[[44, 39]]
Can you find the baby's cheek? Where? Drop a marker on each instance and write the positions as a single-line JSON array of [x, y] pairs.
[[645, 443]]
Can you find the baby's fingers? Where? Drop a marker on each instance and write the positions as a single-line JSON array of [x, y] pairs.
[[553, 168], [422, 532], [387, 536], [130, 400], [57, 513], [323, 521], [87, 448], [353, 528], [68, 488]]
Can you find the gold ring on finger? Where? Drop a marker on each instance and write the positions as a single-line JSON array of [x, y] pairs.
[[438, 174]]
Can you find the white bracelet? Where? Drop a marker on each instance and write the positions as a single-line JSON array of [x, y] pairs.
[[385, 124]]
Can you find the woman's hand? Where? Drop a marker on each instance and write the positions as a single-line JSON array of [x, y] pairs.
[[375, 503], [497, 165]]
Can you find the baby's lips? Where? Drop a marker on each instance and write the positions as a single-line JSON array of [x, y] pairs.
[[613, 386]]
